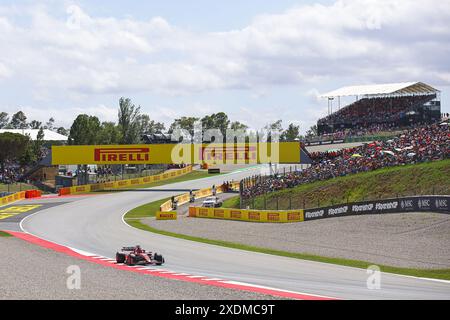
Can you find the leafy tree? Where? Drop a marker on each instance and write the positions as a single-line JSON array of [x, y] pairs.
[[128, 122], [275, 129], [148, 126], [109, 133], [312, 131], [12, 147], [50, 124], [236, 125], [292, 133], [35, 124], [216, 121], [63, 131], [84, 130], [19, 121], [38, 144], [4, 120], [185, 123]]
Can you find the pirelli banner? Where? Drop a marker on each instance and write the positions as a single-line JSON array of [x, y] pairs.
[[274, 216], [245, 153], [439, 204]]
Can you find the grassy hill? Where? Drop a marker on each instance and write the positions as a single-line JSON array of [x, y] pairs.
[[424, 178]]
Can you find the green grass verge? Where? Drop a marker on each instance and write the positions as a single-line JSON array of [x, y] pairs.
[[133, 218], [425, 273], [424, 178], [4, 234], [145, 211]]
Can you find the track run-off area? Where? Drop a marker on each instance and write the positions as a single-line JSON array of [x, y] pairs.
[[93, 226]]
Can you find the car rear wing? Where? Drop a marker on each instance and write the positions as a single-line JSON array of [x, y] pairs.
[[127, 248]]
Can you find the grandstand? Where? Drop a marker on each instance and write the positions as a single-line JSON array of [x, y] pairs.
[[382, 107]]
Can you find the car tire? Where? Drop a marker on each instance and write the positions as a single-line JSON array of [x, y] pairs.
[[129, 261], [120, 257]]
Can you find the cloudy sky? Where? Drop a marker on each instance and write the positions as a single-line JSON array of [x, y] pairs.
[[259, 61]]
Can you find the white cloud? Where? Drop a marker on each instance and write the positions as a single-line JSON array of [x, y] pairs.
[[92, 54], [78, 55]]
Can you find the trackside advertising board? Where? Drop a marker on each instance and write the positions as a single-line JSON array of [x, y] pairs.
[[439, 204], [245, 153], [282, 216]]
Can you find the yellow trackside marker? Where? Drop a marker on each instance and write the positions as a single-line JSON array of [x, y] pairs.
[[4, 216]]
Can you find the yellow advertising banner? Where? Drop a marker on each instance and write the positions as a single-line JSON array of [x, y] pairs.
[[275, 216], [239, 153], [166, 215]]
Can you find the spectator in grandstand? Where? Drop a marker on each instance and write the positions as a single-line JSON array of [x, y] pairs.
[[426, 143]]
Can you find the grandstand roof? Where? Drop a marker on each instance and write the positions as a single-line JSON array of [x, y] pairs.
[[403, 88], [48, 134]]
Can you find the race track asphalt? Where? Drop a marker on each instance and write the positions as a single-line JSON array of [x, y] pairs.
[[95, 224]]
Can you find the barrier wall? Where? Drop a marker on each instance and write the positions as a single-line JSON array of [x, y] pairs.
[[439, 204], [125, 183], [281, 216], [185, 197], [12, 198]]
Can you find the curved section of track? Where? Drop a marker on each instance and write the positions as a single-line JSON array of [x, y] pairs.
[[95, 224]]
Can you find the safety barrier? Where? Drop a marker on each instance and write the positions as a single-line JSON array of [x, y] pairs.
[[440, 204], [124, 183], [185, 197], [166, 215], [33, 194], [12, 198], [282, 216]]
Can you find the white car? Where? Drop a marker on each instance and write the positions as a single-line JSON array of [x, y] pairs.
[[212, 202]]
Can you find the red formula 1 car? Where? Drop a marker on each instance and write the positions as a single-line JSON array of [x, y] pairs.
[[136, 255]]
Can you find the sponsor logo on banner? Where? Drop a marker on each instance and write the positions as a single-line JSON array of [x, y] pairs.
[[386, 206], [362, 207], [122, 183], [121, 154], [314, 214], [236, 214], [135, 181], [424, 204], [292, 216], [80, 189], [273, 216], [339, 210], [225, 153], [407, 204], [219, 213], [203, 212], [254, 216], [441, 203]]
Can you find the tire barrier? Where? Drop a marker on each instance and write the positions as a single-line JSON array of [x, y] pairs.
[[124, 183], [440, 204], [12, 198], [269, 216]]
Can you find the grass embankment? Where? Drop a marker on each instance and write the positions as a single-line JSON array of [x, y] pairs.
[[424, 178], [4, 234], [16, 187]]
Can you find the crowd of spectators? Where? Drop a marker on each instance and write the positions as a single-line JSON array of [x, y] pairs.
[[10, 173], [421, 144], [375, 110]]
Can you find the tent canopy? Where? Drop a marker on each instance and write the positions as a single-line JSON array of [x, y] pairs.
[[403, 88]]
